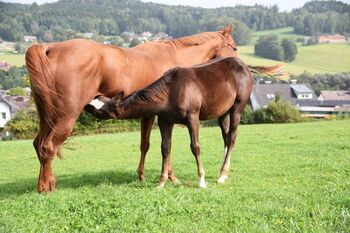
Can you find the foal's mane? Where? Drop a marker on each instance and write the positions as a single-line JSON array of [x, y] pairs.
[[196, 39], [156, 92]]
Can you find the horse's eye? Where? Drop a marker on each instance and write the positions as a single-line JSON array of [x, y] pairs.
[[235, 49]]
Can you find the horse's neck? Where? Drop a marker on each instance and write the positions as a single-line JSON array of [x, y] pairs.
[[196, 54]]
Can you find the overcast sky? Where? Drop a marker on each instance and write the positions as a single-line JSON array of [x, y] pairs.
[[282, 4]]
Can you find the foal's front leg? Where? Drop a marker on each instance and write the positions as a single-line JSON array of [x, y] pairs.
[[166, 129], [193, 128]]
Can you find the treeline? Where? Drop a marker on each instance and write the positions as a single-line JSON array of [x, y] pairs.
[[321, 17], [64, 19]]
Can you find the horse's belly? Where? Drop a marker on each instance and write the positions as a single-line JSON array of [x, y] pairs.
[[211, 111]]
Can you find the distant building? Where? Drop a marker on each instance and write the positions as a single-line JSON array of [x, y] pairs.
[[7, 110], [332, 39], [88, 35], [29, 39], [4, 66], [262, 94], [302, 97], [146, 34], [334, 95]]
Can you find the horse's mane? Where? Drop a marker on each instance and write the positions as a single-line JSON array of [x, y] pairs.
[[154, 93], [196, 39]]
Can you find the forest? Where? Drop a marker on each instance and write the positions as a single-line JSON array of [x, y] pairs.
[[66, 18]]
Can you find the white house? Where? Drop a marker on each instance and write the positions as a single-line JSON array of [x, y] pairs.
[[6, 111]]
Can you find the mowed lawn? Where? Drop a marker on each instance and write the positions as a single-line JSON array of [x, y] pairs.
[[284, 178]]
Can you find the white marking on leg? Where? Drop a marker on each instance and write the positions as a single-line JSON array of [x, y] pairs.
[[222, 179], [96, 103], [225, 151], [202, 183]]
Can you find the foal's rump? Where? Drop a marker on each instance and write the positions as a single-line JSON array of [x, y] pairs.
[[222, 83]]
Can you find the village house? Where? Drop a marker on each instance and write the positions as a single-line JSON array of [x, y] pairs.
[[4, 66], [301, 96], [7, 111], [29, 39], [331, 39]]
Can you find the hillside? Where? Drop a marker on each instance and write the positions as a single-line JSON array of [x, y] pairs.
[[283, 178], [316, 59]]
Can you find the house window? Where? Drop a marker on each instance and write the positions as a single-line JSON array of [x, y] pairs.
[[3, 115], [270, 96]]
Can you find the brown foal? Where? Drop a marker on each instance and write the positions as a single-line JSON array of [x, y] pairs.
[[219, 89]]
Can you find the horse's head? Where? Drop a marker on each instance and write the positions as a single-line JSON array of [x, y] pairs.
[[228, 47]]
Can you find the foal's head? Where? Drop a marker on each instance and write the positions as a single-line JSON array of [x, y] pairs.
[[228, 46]]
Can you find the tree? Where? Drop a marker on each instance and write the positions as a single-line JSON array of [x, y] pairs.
[[289, 49], [134, 42], [17, 91], [268, 47]]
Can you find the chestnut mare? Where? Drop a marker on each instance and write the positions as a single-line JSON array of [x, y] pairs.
[[219, 89], [66, 76]]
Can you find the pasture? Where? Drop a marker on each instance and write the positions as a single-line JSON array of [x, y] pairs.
[[283, 178], [13, 59]]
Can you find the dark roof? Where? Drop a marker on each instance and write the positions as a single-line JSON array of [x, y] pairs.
[[261, 93], [323, 103], [8, 103]]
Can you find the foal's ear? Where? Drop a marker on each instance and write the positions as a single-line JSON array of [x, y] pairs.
[[119, 95], [227, 30]]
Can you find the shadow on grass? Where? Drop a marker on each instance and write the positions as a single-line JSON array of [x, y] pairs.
[[75, 181]]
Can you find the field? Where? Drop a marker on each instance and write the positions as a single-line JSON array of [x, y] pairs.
[[284, 178], [317, 59], [13, 59]]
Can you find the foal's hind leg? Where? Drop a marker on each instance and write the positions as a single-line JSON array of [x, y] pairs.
[[224, 123], [193, 128], [166, 129], [234, 116]]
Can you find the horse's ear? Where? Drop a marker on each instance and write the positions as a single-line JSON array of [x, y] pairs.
[[227, 30]]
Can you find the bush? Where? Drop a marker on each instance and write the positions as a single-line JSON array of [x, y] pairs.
[[281, 112], [247, 116], [24, 125]]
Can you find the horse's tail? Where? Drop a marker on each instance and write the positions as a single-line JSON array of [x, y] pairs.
[[276, 71], [42, 84]]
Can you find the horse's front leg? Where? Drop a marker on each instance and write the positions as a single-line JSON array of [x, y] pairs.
[[146, 128], [166, 129]]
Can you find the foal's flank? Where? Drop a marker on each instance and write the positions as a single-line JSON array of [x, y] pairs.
[[218, 89]]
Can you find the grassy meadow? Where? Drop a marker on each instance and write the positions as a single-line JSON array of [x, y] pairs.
[[284, 178], [13, 59]]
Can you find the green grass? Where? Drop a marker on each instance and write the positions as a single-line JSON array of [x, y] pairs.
[[284, 178], [316, 59], [13, 59]]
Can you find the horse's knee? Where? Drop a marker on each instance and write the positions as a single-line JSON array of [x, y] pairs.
[[165, 148], [144, 146], [195, 148]]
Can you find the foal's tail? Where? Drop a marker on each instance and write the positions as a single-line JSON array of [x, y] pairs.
[[42, 84], [277, 71]]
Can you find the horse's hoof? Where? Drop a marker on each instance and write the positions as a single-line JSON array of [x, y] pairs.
[[140, 175], [176, 181], [222, 179]]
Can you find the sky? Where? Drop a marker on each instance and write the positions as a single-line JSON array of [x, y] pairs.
[[283, 5]]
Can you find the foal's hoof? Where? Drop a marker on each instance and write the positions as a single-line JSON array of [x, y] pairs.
[[46, 187], [222, 179], [202, 184]]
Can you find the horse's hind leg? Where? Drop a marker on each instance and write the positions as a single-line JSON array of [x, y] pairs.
[[234, 116], [166, 129], [47, 144], [193, 129]]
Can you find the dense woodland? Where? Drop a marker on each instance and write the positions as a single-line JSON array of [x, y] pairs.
[[64, 19]]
